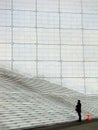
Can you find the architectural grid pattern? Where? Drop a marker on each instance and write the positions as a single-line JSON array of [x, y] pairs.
[[52, 39]]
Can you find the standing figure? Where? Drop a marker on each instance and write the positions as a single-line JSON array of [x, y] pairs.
[[78, 109]]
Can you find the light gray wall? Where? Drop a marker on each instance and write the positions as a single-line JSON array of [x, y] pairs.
[[54, 39]]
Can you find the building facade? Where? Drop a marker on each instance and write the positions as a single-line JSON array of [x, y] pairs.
[[52, 39]]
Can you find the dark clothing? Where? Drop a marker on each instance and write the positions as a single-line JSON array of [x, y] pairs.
[[79, 114], [78, 110], [78, 107]]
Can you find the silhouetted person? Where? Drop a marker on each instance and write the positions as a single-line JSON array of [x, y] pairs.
[[78, 109]]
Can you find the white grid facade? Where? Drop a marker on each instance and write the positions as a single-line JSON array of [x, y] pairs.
[[52, 39]]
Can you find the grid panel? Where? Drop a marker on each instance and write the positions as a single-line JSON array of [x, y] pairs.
[[48, 36], [73, 6], [48, 20], [91, 53], [5, 52], [55, 38], [72, 53], [24, 35], [69, 36], [48, 52], [90, 37], [5, 4], [69, 20], [92, 82], [91, 69], [90, 21], [47, 5], [24, 52], [5, 18], [72, 69], [5, 35], [74, 83], [24, 4], [49, 69], [90, 6], [24, 18]]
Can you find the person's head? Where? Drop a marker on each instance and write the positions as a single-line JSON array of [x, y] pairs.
[[78, 101]]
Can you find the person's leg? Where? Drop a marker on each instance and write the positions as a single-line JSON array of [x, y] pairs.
[[79, 116]]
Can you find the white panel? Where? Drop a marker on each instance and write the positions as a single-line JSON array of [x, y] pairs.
[[24, 4], [5, 4], [28, 68], [91, 69], [90, 37], [72, 69], [48, 52], [90, 6], [70, 20], [71, 36], [5, 64], [90, 21], [5, 35], [54, 80], [49, 69], [24, 52], [72, 53], [73, 6], [5, 17], [5, 51], [91, 53], [48, 36], [24, 18], [47, 5], [48, 20], [92, 85], [24, 35], [76, 84]]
